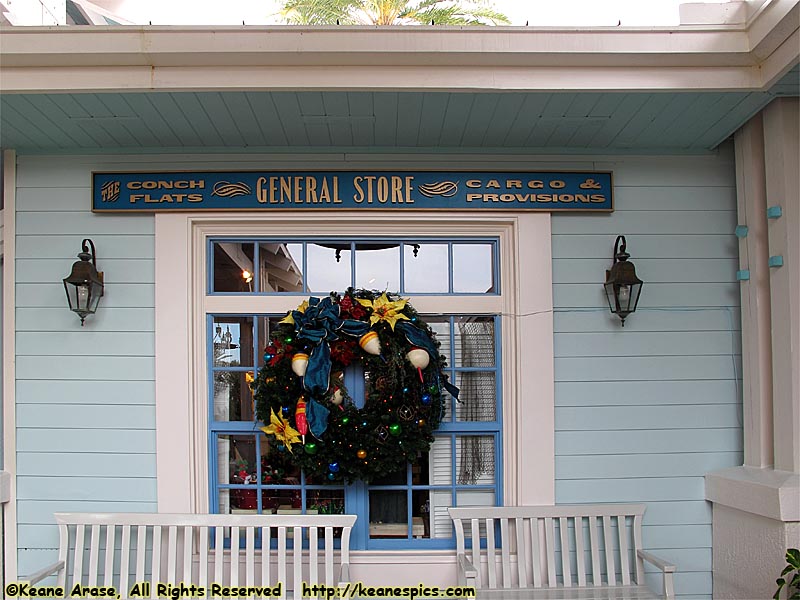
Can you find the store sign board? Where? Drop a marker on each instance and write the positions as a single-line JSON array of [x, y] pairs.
[[343, 190]]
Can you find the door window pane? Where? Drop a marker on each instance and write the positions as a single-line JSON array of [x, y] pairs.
[[478, 398], [426, 268], [475, 460], [378, 266], [233, 399], [388, 514], [233, 267], [474, 341], [329, 267], [232, 342], [473, 268], [280, 267]]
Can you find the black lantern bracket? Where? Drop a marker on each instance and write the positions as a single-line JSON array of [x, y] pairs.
[[85, 284], [622, 286]]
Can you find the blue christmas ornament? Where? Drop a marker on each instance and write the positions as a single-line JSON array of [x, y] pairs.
[[426, 399], [333, 467], [331, 476], [285, 411], [268, 357]]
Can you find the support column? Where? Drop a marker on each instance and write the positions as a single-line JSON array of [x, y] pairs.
[[756, 510], [755, 294], [781, 159]]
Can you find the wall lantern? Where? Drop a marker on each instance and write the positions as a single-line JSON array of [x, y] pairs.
[[622, 285], [84, 286]]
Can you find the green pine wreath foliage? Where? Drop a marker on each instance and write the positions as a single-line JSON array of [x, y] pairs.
[[402, 407]]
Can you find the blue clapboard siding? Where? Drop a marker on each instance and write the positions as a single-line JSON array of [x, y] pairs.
[[642, 413], [85, 396]]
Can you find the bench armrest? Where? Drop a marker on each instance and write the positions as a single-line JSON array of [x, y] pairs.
[[667, 569], [467, 573], [36, 577]]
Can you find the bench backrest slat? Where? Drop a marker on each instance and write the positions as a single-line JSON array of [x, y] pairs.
[[622, 532], [519, 529], [490, 548], [329, 554], [611, 570], [203, 545], [595, 544], [250, 556], [536, 555], [155, 563], [77, 570], [563, 528], [188, 549], [580, 558], [125, 557], [550, 549], [565, 546], [124, 549], [172, 554]]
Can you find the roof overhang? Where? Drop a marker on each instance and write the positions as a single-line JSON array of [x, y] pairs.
[[518, 89], [751, 56]]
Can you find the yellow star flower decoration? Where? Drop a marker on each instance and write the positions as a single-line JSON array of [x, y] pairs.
[[289, 318], [385, 310], [283, 432]]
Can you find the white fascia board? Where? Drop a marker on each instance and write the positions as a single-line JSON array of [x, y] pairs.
[[83, 59]]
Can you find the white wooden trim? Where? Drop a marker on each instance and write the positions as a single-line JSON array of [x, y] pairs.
[[9, 362], [707, 57], [176, 450], [755, 295], [181, 305], [781, 157]]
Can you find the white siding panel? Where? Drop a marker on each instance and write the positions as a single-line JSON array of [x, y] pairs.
[[84, 223], [67, 246], [125, 441], [90, 416], [689, 319], [637, 343], [113, 368], [133, 489], [51, 391], [43, 270], [86, 465], [115, 295], [617, 466], [85, 395], [642, 413], [649, 441], [86, 343], [35, 512], [61, 319]]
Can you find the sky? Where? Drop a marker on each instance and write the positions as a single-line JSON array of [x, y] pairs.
[[533, 12]]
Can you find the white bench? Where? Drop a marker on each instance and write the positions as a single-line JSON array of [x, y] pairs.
[[539, 556], [200, 549]]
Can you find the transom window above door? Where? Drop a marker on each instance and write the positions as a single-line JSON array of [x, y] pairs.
[[426, 266]]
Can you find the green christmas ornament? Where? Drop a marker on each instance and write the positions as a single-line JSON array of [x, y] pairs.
[[395, 429]]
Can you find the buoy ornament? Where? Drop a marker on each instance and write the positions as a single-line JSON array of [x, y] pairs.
[[420, 359], [370, 343], [300, 363]]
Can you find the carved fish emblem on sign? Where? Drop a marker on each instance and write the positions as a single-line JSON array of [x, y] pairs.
[[223, 189], [446, 189]]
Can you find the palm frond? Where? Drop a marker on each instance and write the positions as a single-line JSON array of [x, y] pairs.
[[449, 12], [320, 12]]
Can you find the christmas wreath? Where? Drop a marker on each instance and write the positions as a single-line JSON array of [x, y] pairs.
[[310, 415]]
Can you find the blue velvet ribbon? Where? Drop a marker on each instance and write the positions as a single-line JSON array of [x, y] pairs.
[[417, 337], [320, 325]]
